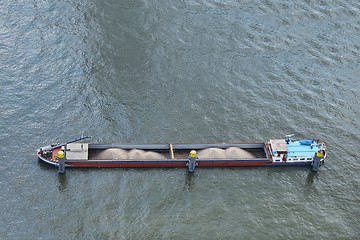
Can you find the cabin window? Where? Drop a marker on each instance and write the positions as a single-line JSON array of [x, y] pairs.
[[302, 158], [309, 158], [295, 159]]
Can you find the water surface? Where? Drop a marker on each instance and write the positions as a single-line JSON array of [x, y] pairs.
[[174, 72]]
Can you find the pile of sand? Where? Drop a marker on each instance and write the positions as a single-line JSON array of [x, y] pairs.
[[141, 155], [238, 153], [154, 155], [136, 154], [111, 154], [121, 154], [229, 153], [212, 153]]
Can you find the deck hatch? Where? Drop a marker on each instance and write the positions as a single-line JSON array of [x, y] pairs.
[[77, 151]]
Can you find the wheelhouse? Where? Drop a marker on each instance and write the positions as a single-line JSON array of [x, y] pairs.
[[289, 150]]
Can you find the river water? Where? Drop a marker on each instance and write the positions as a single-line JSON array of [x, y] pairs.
[[133, 71]]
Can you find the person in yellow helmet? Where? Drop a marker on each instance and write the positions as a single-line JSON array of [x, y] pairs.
[[193, 153], [191, 164], [319, 154]]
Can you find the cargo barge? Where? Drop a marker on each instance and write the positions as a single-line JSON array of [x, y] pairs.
[[275, 152]]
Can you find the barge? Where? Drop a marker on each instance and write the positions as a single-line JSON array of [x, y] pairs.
[[275, 152]]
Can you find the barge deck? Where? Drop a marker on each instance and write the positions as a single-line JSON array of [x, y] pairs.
[[278, 152]]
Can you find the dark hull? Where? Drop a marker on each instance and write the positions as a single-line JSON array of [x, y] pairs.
[[176, 156]]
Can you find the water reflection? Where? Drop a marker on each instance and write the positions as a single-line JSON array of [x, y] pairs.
[[189, 180], [312, 176], [62, 182]]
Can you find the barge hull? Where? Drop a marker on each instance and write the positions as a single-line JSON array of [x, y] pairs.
[[278, 152], [167, 163]]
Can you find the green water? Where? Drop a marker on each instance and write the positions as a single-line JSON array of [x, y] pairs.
[[179, 72]]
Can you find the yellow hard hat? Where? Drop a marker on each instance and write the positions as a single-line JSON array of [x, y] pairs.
[[319, 154], [193, 153], [61, 154]]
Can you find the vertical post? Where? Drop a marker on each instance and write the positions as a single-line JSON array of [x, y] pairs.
[[191, 161], [61, 161], [172, 151]]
